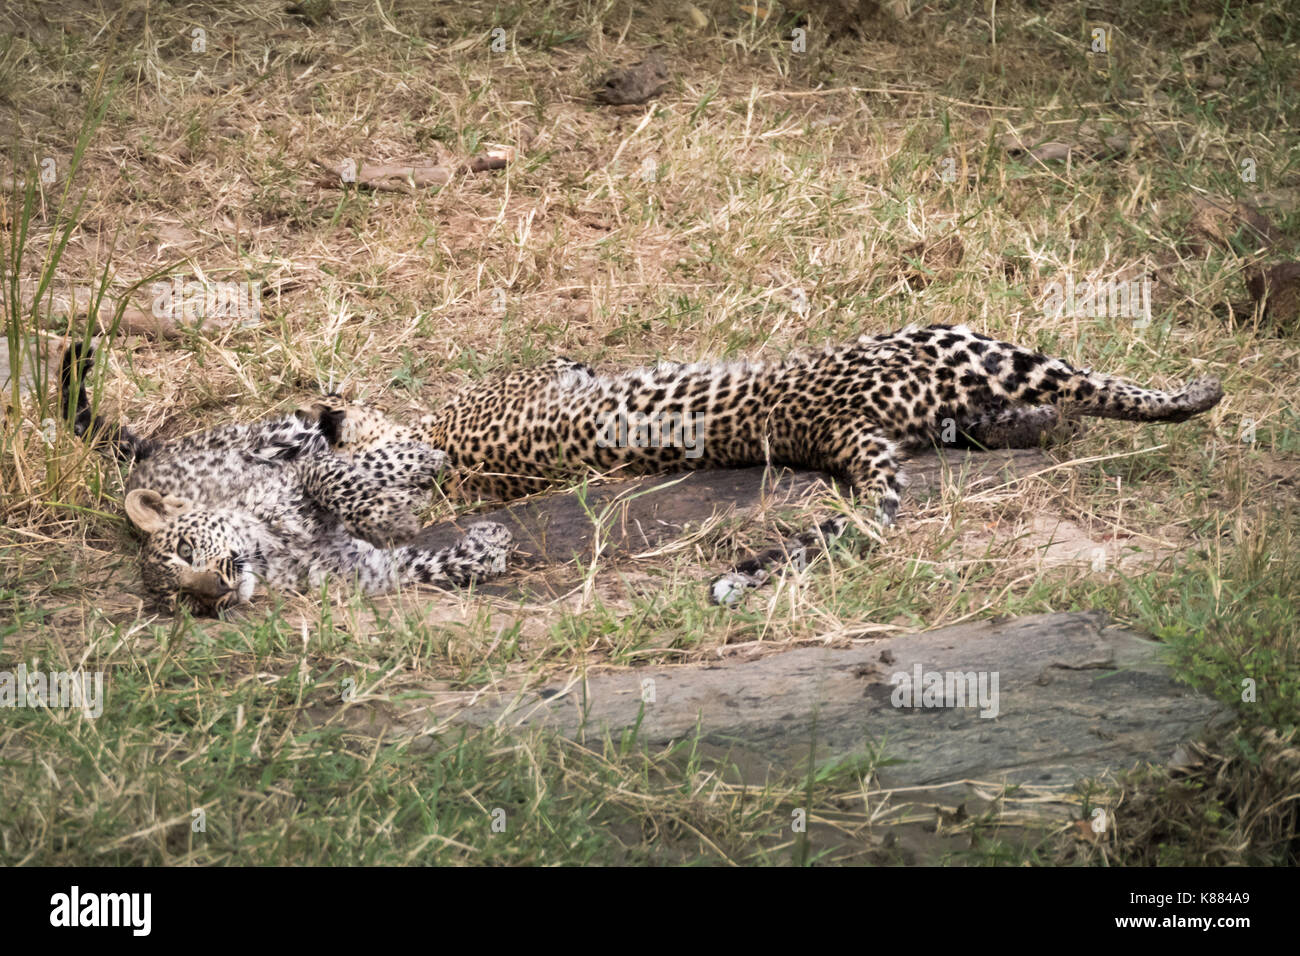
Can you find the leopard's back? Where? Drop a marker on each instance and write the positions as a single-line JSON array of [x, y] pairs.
[[535, 427], [825, 408]]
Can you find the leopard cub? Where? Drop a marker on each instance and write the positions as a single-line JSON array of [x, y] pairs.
[[271, 503]]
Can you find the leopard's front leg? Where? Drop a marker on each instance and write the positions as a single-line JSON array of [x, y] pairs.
[[852, 448], [794, 552], [481, 553]]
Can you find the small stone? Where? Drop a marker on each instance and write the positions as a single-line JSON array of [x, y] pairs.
[[312, 12], [635, 84], [1217, 221], [1276, 290]]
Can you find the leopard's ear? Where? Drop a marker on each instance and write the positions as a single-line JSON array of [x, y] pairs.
[[329, 415], [150, 511]]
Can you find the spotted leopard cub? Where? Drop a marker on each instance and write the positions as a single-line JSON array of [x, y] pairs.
[[270, 503], [849, 409]]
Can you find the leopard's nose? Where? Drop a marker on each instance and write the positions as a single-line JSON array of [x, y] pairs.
[[204, 584]]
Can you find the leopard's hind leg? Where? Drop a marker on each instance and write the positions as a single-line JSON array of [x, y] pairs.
[[854, 448], [1016, 426], [378, 493]]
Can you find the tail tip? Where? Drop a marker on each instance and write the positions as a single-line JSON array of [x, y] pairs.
[[1203, 394]]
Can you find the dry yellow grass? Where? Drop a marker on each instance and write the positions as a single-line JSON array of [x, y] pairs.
[[684, 228], [695, 225]]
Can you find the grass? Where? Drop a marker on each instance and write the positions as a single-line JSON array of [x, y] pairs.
[[770, 173]]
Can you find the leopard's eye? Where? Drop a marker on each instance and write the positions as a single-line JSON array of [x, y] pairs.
[[184, 551]]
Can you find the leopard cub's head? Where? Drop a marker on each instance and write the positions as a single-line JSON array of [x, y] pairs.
[[198, 559]]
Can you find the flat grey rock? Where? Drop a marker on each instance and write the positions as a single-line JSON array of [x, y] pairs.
[[26, 372], [1075, 698]]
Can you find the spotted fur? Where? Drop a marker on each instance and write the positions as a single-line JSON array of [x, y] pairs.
[[847, 409], [272, 503]]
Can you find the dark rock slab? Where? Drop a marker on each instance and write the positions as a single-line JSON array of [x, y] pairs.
[[646, 513], [1075, 698]]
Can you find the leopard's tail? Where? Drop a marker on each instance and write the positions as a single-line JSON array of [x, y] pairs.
[[1023, 376], [117, 441]]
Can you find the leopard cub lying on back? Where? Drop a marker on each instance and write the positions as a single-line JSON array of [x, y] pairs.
[[271, 502]]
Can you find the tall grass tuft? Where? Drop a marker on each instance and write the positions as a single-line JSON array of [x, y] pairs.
[[31, 272]]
